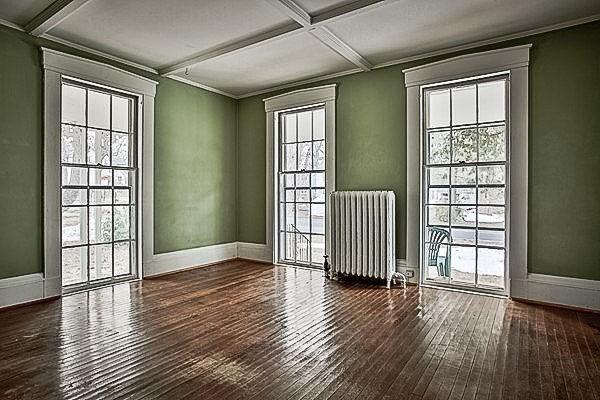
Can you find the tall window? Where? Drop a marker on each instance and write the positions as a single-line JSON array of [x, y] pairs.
[[464, 183], [99, 172]]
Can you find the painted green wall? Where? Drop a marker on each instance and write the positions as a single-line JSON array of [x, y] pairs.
[[195, 163], [564, 136]]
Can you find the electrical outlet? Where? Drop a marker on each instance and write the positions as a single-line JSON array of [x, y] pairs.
[[410, 273]]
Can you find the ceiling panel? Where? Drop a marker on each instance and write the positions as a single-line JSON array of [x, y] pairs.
[[318, 6], [294, 58], [159, 32], [21, 12], [408, 28]]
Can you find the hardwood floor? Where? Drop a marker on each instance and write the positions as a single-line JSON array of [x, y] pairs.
[[244, 330]]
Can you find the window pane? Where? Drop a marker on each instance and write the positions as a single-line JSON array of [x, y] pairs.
[[303, 195], [439, 147], [290, 246], [464, 196], [73, 197], [437, 261], [319, 124], [100, 177], [73, 105], [318, 195], [319, 155], [74, 228], [290, 196], [121, 111], [491, 101], [463, 216], [490, 238], [100, 261], [98, 147], [463, 105], [98, 110], [492, 195], [122, 178], [438, 196], [438, 215], [100, 224], [491, 217], [438, 114], [490, 175], [317, 179], [121, 150], [318, 218], [492, 145], [74, 176], [289, 157], [304, 126], [290, 127], [302, 180], [121, 196], [464, 145], [302, 248], [74, 265], [73, 144], [305, 154], [317, 249], [100, 196], [463, 236], [462, 264], [490, 267], [122, 258], [121, 223], [438, 176], [290, 217], [463, 175], [303, 217]]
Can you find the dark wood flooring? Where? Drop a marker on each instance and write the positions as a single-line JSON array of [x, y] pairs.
[[244, 330]]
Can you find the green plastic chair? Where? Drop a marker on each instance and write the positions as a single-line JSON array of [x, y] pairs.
[[437, 238]]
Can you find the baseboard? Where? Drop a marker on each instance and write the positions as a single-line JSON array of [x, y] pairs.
[[28, 289], [557, 290], [254, 251], [184, 259], [403, 267]]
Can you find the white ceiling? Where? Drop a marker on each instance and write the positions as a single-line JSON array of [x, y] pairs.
[[243, 46]]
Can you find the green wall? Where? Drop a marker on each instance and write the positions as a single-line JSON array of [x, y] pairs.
[[564, 137], [195, 162]]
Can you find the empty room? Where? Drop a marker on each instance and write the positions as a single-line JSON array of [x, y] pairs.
[[299, 199]]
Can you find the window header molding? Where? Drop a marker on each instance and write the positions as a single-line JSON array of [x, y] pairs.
[[468, 65], [301, 97]]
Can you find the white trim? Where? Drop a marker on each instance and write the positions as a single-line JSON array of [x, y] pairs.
[[515, 60], [403, 267], [336, 44], [298, 98], [573, 292], [292, 10], [201, 86], [53, 15], [254, 251], [27, 288], [185, 259], [11, 25]]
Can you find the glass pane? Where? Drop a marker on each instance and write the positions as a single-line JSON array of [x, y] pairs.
[[437, 261], [100, 224], [304, 126], [490, 175], [490, 238], [73, 105], [74, 265], [290, 217], [303, 217], [122, 178], [121, 196], [303, 195], [317, 244], [305, 156], [290, 127], [302, 180], [100, 177], [72, 144], [464, 196], [74, 228], [121, 223], [319, 155], [438, 176], [289, 157], [463, 236], [491, 195], [490, 267], [438, 196], [464, 145], [98, 110], [492, 145], [317, 179], [100, 261], [132, 224], [121, 146], [290, 246], [289, 195], [98, 147], [318, 195], [122, 258], [302, 248], [437, 235], [288, 180], [319, 124], [74, 176], [100, 196], [462, 264], [74, 197], [491, 217], [491, 101], [318, 218], [121, 111], [439, 147], [463, 216], [438, 215], [463, 175], [438, 110], [463, 105]]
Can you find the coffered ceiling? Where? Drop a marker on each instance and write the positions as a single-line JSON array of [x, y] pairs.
[[240, 47]]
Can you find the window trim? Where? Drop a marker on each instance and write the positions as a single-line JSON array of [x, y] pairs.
[[273, 105], [56, 65], [515, 60]]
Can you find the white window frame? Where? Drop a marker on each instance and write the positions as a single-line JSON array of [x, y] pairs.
[[273, 105], [515, 60], [56, 65]]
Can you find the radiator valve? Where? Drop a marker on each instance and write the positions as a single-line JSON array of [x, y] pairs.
[[326, 267]]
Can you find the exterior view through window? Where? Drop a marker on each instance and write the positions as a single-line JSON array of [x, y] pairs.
[[464, 184], [301, 179], [98, 159]]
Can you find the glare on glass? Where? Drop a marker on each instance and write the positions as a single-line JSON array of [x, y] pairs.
[[98, 110], [462, 264], [490, 270], [463, 236], [73, 105], [304, 126], [121, 114], [463, 105], [290, 127], [492, 101], [100, 261], [318, 218], [438, 110], [74, 226], [319, 124], [122, 258], [74, 265]]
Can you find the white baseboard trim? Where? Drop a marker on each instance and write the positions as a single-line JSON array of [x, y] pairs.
[[184, 259], [28, 288], [254, 251], [403, 267], [560, 290]]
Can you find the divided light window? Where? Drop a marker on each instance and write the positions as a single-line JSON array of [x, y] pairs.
[[465, 183], [99, 173]]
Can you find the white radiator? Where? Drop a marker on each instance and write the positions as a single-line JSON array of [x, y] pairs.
[[363, 235]]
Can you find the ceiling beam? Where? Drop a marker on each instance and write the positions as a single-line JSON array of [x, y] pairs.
[[339, 46], [303, 23], [52, 16]]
